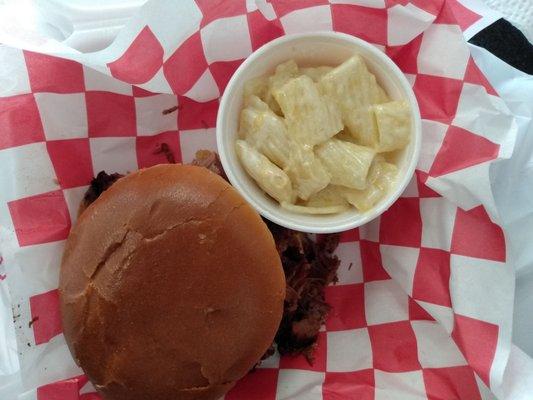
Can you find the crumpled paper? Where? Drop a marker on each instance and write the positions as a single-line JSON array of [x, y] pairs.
[[425, 309]]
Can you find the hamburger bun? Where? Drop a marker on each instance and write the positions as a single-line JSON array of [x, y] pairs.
[[170, 287]]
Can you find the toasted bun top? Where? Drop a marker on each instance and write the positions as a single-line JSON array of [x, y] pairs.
[[170, 286]]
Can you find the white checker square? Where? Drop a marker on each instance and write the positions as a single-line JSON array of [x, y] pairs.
[[158, 83], [400, 263], [364, 3], [370, 231], [38, 266], [405, 23], [196, 139], [14, 74], [443, 52], [266, 8], [26, 171], [350, 270], [73, 198], [484, 391], [270, 362], [149, 113], [399, 385], [411, 78], [173, 28], [433, 134], [484, 115], [251, 5], [438, 219], [87, 388], [442, 314], [64, 116], [412, 188], [115, 154], [481, 289], [349, 351], [6, 224], [468, 188], [204, 89], [308, 20], [299, 384], [436, 348], [385, 302], [98, 81], [57, 354], [29, 395], [226, 39]]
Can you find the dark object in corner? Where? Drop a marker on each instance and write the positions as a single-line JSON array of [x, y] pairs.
[[507, 43]]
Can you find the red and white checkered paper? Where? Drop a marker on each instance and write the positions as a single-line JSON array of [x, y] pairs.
[[423, 307]]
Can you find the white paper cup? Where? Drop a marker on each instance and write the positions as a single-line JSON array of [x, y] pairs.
[[313, 49]]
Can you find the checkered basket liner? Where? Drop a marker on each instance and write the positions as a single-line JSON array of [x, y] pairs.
[[423, 306]]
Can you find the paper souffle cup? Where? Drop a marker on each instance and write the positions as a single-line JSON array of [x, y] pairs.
[[313, 49]]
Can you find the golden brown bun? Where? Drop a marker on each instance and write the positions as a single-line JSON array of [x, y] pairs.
[[171, 287]]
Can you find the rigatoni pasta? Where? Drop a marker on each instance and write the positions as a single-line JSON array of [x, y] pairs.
[[268, 176], [347, 163], [310, 117], [318, 139]]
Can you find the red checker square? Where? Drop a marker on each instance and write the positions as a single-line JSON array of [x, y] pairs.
[[437, 97], [401, 224], [151, 150], [475, 235], [417, 313], [283, 7], [140, 92], [300, 362], [350, 236], [446, 15], [424, 191], [348, 307], [45, 314], [216, 9], [474, 75], [477, 341], [195, 115], [451, 383], [222, 72], [463, 16], [110, 114], [20, 122], [367, 23], [349, 385], [262, 30], [405, 56], [431, 6], [431, 282], [40, 219], [462, 149], [72, 161], [63, 390], [247, 388], [141, 60], [371, 259], [53, 74], [394, 347], [186, 65]]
